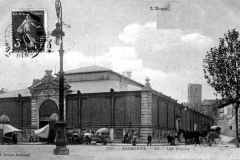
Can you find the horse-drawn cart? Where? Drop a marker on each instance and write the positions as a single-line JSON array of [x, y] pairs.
[[211, 137]]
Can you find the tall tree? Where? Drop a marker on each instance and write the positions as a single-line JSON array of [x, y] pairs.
[[221, 68]]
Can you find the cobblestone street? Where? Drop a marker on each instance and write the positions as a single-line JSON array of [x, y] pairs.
[[119, 151]]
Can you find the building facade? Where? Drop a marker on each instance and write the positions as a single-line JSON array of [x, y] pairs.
[[96, 97], [227, 120], [210, 107]]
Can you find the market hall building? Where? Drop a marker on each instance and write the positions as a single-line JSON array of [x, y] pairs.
[[97, 97]]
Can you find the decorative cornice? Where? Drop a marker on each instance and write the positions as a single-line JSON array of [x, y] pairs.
[[46, 84]]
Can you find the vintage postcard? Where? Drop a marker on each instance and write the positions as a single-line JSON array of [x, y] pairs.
[[119, 79]]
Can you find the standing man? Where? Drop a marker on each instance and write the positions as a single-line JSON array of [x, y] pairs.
[[196, 138], [134, 142], [14, 138], [149, 138], [31, 138]]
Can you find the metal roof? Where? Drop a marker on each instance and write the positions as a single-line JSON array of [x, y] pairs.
[[83, 87], [209, 102], [22, 92], [88, 69], [100, 86]]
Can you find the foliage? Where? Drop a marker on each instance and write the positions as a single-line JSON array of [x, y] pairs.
[[221, 67]]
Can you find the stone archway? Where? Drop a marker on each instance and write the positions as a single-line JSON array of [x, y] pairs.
[[46, 109]]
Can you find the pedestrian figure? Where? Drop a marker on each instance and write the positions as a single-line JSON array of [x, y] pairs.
[[169, 138], [134, 140], [196, 138], [175, 137], [149, 138], [104, 140], [73, 139], [172, 139], [86, 140], [90, 140], [14, 138], [125, 138], [31, 139]]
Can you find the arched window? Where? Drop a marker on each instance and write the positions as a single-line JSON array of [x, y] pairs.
[[47, 108]]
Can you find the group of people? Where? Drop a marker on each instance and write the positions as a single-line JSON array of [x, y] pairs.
[[87, 140], [172, 139], [126, 139], [79, 139], [10, 137], [149, 140]]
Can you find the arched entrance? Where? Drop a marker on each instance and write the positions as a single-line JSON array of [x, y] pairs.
[[46, 109]]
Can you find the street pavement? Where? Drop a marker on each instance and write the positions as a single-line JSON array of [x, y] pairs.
[[120, 151]]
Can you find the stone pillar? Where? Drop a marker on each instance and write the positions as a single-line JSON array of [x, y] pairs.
[[34, 114], [146, 111], [146, 115], [111, 134], [112, 107], [20, 110], [79, 109], [1, 134]]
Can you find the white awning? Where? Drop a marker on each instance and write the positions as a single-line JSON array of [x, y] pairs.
[[8, 128], [42, 132]]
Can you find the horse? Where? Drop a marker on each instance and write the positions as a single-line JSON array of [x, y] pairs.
[[189, 135]]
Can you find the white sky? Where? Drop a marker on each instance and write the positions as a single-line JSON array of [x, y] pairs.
[[170, 54]]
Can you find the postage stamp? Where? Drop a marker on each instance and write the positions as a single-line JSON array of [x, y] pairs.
[[29, 31]]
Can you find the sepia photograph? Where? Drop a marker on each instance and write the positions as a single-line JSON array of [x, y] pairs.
[[119, 79]]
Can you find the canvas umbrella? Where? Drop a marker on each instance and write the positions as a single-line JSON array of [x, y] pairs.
[[87, 134], [42, 132], [102, 130], [217, 128], [75, 134]]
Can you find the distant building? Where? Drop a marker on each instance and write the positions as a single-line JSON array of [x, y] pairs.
[[226, 119], [195, 96], [207, 106], [210, 107]]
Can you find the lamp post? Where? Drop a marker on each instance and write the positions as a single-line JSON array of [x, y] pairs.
[[61, 139]]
